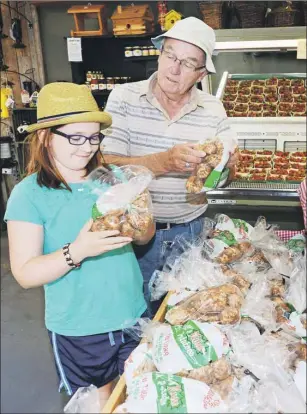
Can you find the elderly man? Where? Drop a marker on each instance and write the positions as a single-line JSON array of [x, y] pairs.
[[157, 123]]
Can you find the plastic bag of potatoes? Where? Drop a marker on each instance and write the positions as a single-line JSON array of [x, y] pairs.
[[124, 203], [220, 304], [211, 173], [223, 247], [164, 393]]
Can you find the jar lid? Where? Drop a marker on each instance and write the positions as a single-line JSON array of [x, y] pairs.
[[128, 47], [136, 47]]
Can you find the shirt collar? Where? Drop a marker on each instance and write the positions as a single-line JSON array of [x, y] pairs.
[[147, 91]]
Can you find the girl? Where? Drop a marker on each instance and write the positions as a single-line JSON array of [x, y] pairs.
[[92, 281]]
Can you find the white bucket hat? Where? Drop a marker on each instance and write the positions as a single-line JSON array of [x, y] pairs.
[[194, 31]]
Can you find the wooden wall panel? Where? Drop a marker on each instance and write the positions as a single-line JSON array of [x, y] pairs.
[[9, 53]]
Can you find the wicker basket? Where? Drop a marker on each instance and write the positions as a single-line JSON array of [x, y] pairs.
[[211, 12], [284, 16], [252, 13]]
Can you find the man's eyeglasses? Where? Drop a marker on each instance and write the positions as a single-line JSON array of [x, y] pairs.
[[80, 139], [183, 62]]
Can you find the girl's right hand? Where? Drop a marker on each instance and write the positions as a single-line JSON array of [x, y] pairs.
[[91, 244]]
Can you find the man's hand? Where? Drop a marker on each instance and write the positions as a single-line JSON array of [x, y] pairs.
[[184, 158], [233, 159]]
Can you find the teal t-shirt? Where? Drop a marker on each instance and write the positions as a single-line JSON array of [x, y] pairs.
[[106, 293]]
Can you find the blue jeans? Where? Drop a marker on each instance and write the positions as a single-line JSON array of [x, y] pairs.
[[153, 255]]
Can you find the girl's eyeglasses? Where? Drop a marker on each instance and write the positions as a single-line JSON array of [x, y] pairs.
[[75, 139]]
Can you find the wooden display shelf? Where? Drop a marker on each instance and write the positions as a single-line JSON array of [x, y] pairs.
[[118, 395], [104, 92], [140, 58], [265, 33]]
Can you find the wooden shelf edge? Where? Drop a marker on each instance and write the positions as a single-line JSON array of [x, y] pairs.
[[140, 58], [264, 33]]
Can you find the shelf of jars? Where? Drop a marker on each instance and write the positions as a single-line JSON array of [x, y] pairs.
[[103, 85], [145, 52]]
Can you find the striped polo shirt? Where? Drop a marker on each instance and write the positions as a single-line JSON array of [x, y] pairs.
[[141, 127]]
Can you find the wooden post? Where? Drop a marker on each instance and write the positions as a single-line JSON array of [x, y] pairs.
[[38, 46], [9, 54], [23, 55]]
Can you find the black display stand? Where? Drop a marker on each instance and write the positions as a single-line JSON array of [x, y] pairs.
[[107, 54]]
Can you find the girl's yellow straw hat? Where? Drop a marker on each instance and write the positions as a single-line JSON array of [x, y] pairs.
[[62, 103]]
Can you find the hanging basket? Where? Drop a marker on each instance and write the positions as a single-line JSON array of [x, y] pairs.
[[252, 13], [211, 13], [284, 16]]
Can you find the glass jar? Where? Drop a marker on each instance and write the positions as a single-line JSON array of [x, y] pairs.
[[152, 51], [145, 51], [88, 76], [88, 84], [94, 83], [94, 76], [136, 51], [102, 83], [128, 51], [110, 83], [158, 52], [117, 80]]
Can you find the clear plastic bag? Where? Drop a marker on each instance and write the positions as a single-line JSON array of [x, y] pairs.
[[259, 354], [239, 228], [159, 392], [178, 348], [186, 270], [85, 400], [295, 320], [240, 274], [211, 173], [123, 203], [258, 305], [220, 304], [274, 250], [296, 293], [277, 394], [223, 248], [226, 240], [139, 362]]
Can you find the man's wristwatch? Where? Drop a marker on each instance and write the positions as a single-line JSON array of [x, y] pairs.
[[68, 258]]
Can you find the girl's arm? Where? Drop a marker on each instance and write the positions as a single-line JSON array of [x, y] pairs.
[[31, 268]]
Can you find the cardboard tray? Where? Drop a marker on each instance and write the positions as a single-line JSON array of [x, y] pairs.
[[118, 395]]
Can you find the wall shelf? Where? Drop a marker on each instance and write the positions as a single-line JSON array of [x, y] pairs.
[[140, 58], [265, 33], [101, 93]]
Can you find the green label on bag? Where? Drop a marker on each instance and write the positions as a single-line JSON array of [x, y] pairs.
[[226, 237], [171, 395], [194, 344], [213, 179], [297, 243], [95, 212], [240, 224]]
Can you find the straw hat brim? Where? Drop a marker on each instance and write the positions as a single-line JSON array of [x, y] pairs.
[[103, 118]]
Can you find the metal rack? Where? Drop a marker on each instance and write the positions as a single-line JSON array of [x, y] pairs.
[[279, 201]]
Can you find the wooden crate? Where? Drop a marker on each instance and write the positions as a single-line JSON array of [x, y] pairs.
[[118, 395]]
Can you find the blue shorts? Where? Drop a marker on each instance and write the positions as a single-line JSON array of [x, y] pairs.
[[95, 359]]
